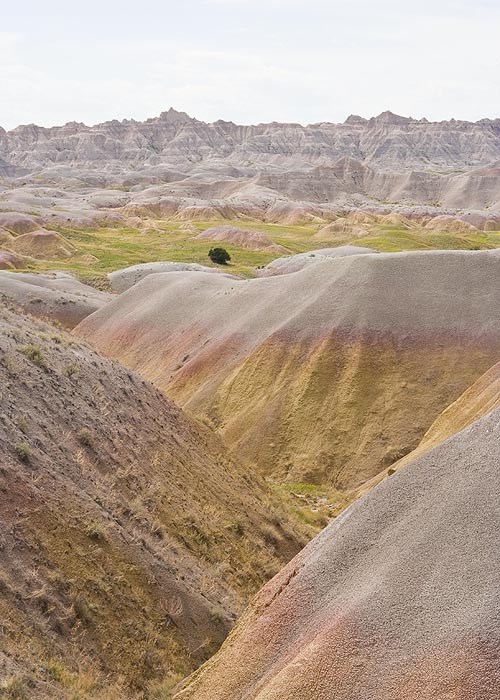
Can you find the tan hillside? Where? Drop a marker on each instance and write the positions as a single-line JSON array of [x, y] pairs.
[[42, 244], [396, 600], [294, 263], [18, 222], [254, 240], [10, 261], [450, 223], [129, 539], [5, 237], [329, 373], [479, 400], [121, 280], [58, 296]]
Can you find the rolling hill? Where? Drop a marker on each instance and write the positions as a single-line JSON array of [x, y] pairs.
[[329, 373]]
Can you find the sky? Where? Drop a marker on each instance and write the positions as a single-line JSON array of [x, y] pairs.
[[248, 61]]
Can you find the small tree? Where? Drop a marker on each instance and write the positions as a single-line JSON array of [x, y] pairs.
[[220, 256]]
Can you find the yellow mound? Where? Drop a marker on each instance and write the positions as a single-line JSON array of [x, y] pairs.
[[340, 230], [5, 237], [361, 217], [479, 400], [450, 224], [395, 220], [10, 261], [43, 244]]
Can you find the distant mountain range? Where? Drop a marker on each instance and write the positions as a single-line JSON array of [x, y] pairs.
[[385, 161], [387, 142]]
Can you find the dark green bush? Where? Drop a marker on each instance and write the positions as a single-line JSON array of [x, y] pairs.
[[220, 256]]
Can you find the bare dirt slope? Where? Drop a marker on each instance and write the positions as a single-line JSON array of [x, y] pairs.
[[477, 401], [294, 263], [121, 280], [328, 373], [129, 539], [398, 599]]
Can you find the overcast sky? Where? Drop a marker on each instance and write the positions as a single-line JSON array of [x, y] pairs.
[[248, 60]]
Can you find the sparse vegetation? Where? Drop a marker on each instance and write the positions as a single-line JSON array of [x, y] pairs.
[[35, 355], [269, 535], [71, 370], [8, 363], [82, 609], [23, 424], [95, 531], [111, 520], [164, 689], [16, 687], [239, 528], [56, 670], [115, 247]]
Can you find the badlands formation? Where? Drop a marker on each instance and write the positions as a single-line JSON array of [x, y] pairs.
[[58, 296], [175, 165], [348, 354]]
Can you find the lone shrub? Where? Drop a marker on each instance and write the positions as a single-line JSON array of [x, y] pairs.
[[220, 256], [94, 531], [34, 354], [23, 451], [71, 370], [84, 437]]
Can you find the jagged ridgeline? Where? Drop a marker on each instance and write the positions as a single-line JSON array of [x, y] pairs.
[[285, 172]]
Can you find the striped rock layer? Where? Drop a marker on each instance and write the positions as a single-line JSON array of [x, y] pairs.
[[328, 373]]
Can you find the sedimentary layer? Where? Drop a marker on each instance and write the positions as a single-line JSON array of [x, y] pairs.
[[330, 372]]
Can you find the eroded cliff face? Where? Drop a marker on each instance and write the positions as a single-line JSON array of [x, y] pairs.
[[231, 169], [386, 142]]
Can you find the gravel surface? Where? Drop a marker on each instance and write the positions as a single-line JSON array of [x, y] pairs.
[[396, 600]]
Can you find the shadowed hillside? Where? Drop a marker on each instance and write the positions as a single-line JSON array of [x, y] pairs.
[[129, 539]]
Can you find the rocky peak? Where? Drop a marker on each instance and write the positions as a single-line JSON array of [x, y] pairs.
[[355, 119], [390, 118], [172, 116]]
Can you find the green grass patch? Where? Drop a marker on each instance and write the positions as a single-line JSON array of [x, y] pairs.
[[114, 247]]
